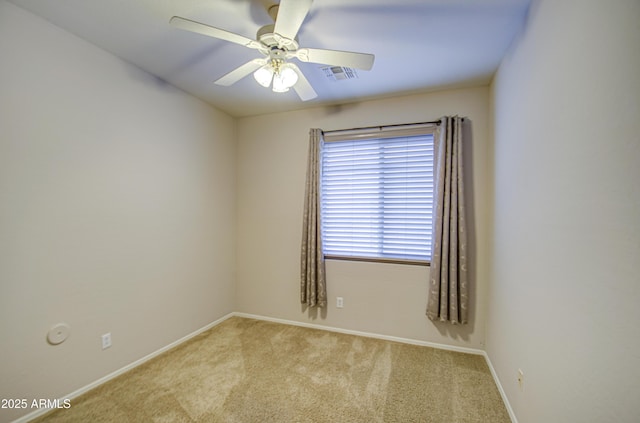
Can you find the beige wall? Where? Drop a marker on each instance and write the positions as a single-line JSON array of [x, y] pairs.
[[385, 299], [566, 264], [116, 210]]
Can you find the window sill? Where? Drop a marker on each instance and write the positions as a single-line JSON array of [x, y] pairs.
[[379, 260]]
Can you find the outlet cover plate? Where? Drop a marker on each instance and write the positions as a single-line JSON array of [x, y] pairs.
[[106, 340]]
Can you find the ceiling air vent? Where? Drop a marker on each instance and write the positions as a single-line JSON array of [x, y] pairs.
[[339, 73]]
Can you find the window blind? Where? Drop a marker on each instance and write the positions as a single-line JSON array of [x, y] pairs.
[[377, 196]]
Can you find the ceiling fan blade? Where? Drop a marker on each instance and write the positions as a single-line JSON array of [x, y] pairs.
[[303, 88], [240, 72], [362, 61], [291, 14], [200, 28]]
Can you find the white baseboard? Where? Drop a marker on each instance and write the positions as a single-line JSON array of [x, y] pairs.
[[124, 369], [512, 415], [365, 334]]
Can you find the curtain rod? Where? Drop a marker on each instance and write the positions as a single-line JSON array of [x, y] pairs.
[[380, 127]]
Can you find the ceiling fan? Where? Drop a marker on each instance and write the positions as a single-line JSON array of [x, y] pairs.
[[278, 43]]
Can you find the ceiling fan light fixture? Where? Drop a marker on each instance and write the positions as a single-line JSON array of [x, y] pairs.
[[284, 79], [288, 75], [264, 75], [278, 85]]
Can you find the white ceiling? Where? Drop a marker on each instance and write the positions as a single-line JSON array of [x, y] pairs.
[[419, 45]]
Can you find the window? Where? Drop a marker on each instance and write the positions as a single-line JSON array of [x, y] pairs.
[[377, 193]]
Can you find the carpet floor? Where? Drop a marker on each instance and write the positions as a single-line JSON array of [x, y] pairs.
[[246, 371]]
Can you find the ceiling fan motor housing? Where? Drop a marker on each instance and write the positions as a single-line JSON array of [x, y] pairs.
[[270, 39]]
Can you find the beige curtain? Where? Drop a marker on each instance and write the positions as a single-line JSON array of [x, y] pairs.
[[313, 289], [448, 285]]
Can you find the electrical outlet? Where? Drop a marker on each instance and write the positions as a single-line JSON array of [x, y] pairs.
[[106, 340], [339, 302], [520, 379]]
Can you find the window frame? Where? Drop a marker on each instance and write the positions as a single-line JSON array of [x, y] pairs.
[[377, 132]]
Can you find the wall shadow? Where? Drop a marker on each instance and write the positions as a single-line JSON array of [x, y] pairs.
[[314, 313]]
